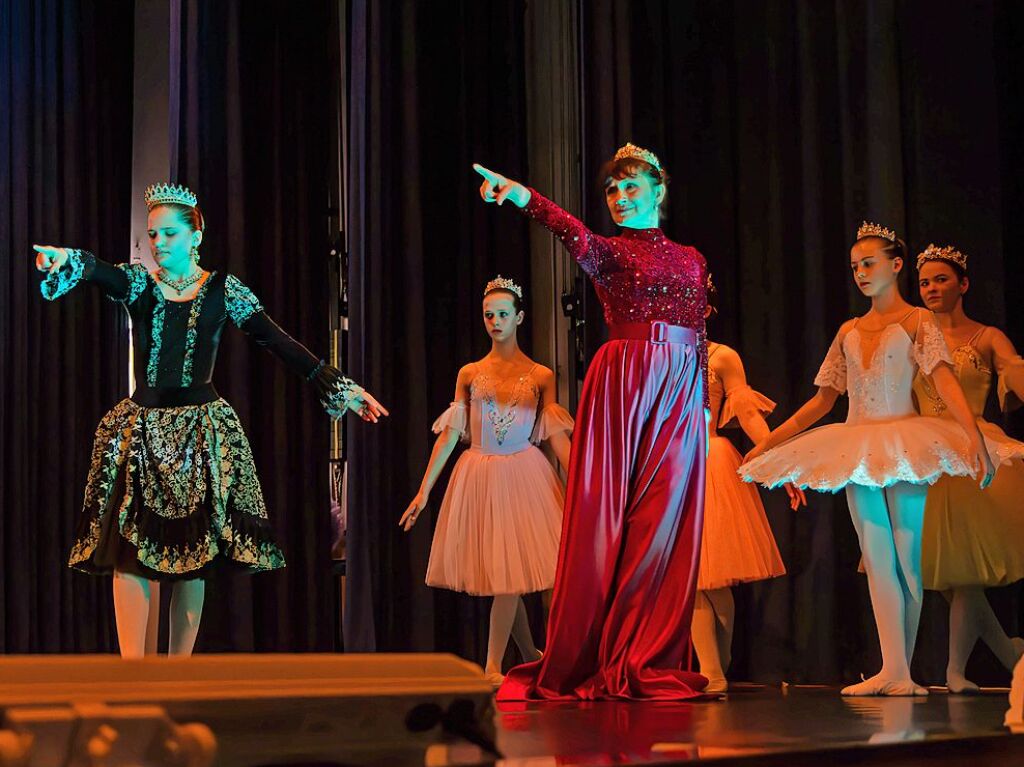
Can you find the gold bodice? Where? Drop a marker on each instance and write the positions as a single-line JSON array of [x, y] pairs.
[[975, 378]]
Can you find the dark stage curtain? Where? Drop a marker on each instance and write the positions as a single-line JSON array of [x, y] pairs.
[[65, 179], [431, 93], [783, 125], [253, 127]]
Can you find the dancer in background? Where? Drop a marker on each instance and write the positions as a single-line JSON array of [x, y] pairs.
[[627, 568], [885, 455], [737, 544], [972, 539], [498, 530], [172, 489]]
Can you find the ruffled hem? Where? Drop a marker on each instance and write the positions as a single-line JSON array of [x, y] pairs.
[[915, 449], [741, 400], [553, 419], [456, 418], [172, 492]]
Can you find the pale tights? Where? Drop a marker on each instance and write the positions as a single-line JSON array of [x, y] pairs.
[[137, 613], [889, 524], [971, 618], [714, 615], [508, 616]]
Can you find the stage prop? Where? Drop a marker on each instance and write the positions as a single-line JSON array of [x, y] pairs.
[[243, 710]]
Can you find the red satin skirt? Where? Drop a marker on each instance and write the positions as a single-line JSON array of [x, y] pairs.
[[627, 568]]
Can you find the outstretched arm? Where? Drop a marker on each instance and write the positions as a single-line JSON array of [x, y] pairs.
[[831, 382], [590, 250], [812, 411], [338, 394], [447, 439], [64, 268]]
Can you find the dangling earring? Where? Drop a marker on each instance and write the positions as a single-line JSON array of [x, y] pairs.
[[195, 254]]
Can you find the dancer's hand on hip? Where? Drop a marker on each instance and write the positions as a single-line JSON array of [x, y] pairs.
[[367, 408], [497, 188], [50, 258], [796, 496], [413, 512]]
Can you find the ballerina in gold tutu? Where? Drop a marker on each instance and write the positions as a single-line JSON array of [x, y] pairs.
[[737, 545], [972, 539]]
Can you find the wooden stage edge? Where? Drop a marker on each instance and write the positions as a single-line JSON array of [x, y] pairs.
[[415, 709]]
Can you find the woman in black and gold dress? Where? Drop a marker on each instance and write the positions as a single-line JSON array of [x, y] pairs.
[[172, 489]]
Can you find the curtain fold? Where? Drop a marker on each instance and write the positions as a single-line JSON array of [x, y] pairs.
[[254, 124], [65, 179]]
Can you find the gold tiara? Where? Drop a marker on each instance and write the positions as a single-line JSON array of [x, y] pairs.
[[500, 283], [173, 194], [867, 229], [637, 153], [948, 253]]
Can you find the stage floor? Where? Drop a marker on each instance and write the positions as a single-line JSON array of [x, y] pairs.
[[759, 725]]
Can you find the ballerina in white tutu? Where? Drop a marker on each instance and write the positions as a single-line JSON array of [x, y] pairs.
[[885, 455], [501, 518]]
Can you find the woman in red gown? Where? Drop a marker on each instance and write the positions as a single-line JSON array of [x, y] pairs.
[[627, 568]]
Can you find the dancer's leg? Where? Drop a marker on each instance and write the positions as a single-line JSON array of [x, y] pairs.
[[906, 504], [725, 616], [871, 518], [1008, 650], [186, 611], [132, 596], [153, 621], [522, 635], [704, 632], [503, 615], [970, 617]]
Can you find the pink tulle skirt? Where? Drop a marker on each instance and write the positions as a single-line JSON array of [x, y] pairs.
[[499, 526], [737, 544]]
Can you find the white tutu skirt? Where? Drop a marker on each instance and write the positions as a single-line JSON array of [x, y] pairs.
[[499, 526], [916, 449]]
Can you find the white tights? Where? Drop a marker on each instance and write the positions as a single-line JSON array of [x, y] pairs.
[[137, 613], [508, 616], [714, 614], [889, 524], [971, 618]]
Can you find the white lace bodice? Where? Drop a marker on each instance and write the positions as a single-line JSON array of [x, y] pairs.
[[880, 388]]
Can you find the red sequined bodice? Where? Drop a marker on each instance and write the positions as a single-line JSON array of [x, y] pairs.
[[639, 276]]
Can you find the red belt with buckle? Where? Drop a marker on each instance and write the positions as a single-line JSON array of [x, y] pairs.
[[655, 332]]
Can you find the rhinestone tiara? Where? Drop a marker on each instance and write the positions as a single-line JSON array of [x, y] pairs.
[[500, 283], [867, 229], [163, 194], [948, 253], [638, 153]]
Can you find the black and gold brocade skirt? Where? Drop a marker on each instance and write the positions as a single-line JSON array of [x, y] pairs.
[[172, 493]]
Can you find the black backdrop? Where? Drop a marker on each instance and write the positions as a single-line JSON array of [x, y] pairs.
[[782, 123]]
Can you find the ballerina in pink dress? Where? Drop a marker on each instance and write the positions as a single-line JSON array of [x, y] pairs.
[[885, 455], [737, 545], [500, 522]]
